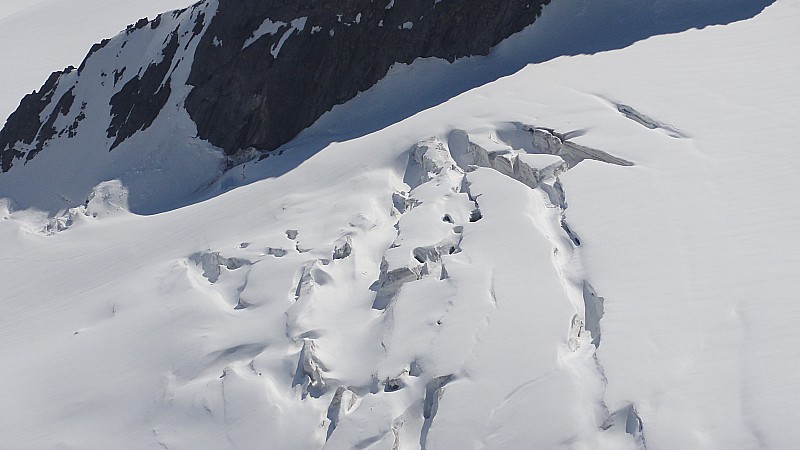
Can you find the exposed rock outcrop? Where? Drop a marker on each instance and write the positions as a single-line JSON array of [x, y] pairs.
[[317, 54], [250, 74]]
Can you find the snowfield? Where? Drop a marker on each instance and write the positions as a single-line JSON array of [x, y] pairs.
[[595, 251]]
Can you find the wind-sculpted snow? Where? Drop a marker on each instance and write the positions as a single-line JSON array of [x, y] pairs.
[[525, 265], [354, 351]]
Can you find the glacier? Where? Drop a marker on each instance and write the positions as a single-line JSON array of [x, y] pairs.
[[589, 243]]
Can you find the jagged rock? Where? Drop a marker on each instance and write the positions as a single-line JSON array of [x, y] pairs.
[[24, 133], [268, 91], [260, 73]]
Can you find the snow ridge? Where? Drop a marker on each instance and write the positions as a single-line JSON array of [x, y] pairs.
[[550, 214]]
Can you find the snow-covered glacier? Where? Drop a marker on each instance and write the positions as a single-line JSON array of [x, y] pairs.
[[586, 239]]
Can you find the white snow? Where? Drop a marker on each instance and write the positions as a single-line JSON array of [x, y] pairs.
[[298, 25], [42, 36], [417, 275], [151, 173], [268, 27]]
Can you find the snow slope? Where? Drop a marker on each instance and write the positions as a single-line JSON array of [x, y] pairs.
[[597, 251], [160, 162], [42, 36]]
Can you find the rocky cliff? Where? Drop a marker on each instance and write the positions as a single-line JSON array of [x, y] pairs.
[[249, 73]]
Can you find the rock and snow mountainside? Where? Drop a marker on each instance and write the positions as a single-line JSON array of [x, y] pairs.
[[43, 36], [237, 74], [591, 251]]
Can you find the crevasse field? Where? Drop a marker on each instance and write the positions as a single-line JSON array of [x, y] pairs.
[[588, 239]]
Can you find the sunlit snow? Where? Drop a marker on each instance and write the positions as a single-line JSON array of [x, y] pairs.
[[525, 250]]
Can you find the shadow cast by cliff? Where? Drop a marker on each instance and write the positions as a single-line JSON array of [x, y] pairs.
[[566, 28]]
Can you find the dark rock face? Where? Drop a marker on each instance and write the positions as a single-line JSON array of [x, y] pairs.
[[136, 105], [24, 129], [261, 71], [263, 95]]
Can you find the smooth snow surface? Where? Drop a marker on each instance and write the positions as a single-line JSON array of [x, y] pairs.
[[597, 251]]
